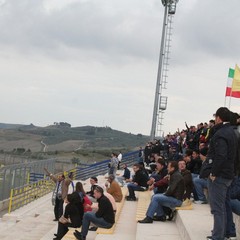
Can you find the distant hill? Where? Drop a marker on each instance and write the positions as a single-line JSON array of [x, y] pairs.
[[66, 138], [9, 126]]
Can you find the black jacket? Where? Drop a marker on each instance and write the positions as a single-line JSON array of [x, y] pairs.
[[141, 178], [105, 210], [223, 152], [176, 186], [72, 212], [187, 178]]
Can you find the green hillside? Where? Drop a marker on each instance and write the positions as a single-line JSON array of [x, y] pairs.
[[67, 138]]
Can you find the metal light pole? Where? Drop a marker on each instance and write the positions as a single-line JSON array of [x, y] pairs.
[[160, 102]]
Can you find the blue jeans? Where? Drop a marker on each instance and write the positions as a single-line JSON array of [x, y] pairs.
[[89, 217], [217, 190], [230, 225], [133, 187], [200, 184], [158, 201], [235, 204]]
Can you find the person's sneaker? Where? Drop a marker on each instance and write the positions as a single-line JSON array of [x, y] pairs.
[[93, 228], [128, 198], [172, 215], [146, 220], [209, 237], [200, 202], [231, 238], [78, 236], [159, 218]]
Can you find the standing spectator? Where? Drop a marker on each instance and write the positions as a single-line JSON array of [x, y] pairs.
[[113, 165], [147, 153], [222, 153], [140, 155], [171, 198], [119, 159], [138, 183], [114, 188], [61, 189]]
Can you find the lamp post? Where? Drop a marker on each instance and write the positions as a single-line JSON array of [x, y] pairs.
[[170, 9]]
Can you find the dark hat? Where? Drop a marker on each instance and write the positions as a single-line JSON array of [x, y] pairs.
[[203, 151], [95, 179], [223, 113]]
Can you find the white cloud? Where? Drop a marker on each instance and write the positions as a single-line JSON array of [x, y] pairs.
[[92, 62]]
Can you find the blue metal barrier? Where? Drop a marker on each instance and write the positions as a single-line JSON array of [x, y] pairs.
[[34, 177], [101, 168]]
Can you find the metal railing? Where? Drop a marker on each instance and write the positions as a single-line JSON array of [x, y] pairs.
[[21, 196], [18, 175]]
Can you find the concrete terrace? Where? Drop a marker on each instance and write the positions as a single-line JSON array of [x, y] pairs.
[[35, 222]]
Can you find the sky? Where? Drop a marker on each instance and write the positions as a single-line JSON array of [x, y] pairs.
[[94, 62]]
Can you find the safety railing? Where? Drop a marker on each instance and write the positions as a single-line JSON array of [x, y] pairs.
[[101, 168], [21, 196]]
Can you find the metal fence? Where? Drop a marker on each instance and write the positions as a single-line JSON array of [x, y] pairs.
[[18, 175], [22, 195], [101, 168]]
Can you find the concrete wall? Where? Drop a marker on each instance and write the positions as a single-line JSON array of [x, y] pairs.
[[4, 205]]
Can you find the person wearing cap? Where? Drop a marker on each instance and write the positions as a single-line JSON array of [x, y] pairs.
[[113, 188], [200, 183], [221, 156]]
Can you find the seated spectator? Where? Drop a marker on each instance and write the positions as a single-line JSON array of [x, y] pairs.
[[94, 183], [104, 217], [235, 205], [156, 176], [200, 183], [114, 188], [172, 198], [187, 178], [126, 175], [86, 201], [138, 183], [72, 217]]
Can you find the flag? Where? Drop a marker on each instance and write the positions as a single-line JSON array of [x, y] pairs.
[[236, 83], [233, 83], [229, 82]]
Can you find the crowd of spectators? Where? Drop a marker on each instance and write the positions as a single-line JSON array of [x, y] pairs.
[[178, 167], [207, 156]]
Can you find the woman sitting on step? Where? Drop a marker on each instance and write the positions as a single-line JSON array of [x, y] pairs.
[[72, 216]]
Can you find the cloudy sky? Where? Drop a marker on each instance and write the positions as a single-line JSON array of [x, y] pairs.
[[94, 62]]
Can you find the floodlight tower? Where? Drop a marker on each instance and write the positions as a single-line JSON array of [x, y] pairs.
[[160, 102]]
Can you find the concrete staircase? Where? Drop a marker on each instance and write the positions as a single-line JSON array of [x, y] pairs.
[[35, 222]]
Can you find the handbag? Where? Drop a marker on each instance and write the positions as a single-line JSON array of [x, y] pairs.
[[64, 220]]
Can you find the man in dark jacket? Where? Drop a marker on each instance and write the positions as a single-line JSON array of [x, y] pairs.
[[104, 217], [187, 178], [222, 154], [138, 183], [171, 198]]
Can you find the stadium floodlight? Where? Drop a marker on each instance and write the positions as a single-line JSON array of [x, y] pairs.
[[172, 4], [170, 9]]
